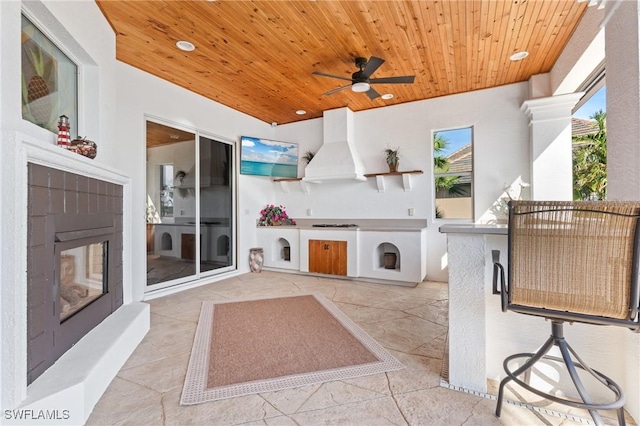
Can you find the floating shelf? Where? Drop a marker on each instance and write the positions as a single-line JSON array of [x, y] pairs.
[[284, 184], [406, 178], [287, 179]]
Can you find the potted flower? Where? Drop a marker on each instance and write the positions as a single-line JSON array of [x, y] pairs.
[[273, 215], [392, 158]]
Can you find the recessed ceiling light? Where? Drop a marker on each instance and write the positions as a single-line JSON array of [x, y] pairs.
[[301, 112], [361, 86], [387, 96], [185, 45], [518, 56]]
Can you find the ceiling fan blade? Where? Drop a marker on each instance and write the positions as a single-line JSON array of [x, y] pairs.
[[324, 74], [372, 65], [394, 80], [373, 94], [336, 90]]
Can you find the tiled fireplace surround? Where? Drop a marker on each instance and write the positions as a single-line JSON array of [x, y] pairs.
[[68, 210], [77, 380]]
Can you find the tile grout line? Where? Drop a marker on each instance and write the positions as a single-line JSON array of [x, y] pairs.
[[581, 420]]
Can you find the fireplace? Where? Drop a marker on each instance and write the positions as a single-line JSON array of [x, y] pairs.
[[82, 276], [74, 260]]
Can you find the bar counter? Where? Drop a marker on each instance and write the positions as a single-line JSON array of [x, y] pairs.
[[481, 336]]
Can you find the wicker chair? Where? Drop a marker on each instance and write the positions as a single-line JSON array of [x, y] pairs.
[[575, 262]]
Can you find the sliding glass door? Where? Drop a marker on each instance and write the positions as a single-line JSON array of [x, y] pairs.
[[216, 204], [190, 205]]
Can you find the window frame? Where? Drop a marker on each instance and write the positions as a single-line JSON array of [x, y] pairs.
[[75, 97], [470, 174]]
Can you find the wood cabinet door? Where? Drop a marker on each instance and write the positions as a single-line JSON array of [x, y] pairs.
[[188, 247], [328, 257], [316, 256], [338, 257]]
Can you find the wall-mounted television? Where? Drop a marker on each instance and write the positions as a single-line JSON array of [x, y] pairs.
[[264, 157]]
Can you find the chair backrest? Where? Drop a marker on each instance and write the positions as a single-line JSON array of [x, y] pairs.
[[575, 257]]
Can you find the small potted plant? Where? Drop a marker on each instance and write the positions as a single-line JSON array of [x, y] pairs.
[[392, 158], [308, 156]]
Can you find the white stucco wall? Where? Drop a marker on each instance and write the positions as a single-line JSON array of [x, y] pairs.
[[501, 155], [582, 54], [141, 94], [90, 42]]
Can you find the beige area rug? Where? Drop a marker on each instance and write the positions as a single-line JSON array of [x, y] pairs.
[[264, 345]]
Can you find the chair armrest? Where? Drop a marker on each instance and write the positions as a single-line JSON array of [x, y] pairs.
[[498, 270], [499, 278]]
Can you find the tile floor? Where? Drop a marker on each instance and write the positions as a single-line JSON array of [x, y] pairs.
[[410, 322]]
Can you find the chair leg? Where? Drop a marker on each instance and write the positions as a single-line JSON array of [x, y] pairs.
[[557, 339], [544, 349], [582, 391], [621, 419]]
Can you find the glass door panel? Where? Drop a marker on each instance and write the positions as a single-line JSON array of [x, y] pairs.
[[172, 219], [216, 204]]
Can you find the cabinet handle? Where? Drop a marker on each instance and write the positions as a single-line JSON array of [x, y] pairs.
[[326, 246]]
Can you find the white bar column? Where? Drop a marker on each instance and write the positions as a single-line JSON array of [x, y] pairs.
[[550, 146]]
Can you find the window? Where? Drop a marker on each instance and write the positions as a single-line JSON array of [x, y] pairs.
[[589, 147], [453, 173], [49, 81]]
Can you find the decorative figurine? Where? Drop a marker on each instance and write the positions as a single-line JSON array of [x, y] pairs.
[[64, 138]]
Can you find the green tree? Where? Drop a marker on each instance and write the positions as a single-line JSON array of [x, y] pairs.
[[441, 165], [590, 162]]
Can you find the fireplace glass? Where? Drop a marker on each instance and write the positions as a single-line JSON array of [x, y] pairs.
[[83, 277]]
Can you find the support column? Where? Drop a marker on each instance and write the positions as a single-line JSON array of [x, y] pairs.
[[622, 47], [550, 146]]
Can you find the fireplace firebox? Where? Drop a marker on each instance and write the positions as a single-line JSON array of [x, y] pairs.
[[82, 276], [74, 265]]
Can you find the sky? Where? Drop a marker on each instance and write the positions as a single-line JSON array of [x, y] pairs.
[[595, 103], [457, 139], [460, 137]]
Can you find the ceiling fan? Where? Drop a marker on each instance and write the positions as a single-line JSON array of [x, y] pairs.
[[361, 80]]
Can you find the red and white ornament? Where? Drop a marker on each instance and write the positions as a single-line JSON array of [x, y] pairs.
[[64, 136]]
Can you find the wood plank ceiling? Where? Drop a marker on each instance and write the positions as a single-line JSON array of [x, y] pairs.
[[257, 57]]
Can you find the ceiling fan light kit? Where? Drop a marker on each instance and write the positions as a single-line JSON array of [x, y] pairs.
[[360, 87], [361, 80]]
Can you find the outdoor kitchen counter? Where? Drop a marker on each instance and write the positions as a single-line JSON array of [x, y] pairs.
[[367, 243], [390, 225], [359, 228], [481, 336]]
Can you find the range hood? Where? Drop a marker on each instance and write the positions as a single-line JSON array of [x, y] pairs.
[[337, 158]]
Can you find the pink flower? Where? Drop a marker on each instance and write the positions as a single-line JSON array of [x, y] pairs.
[[271, 214]]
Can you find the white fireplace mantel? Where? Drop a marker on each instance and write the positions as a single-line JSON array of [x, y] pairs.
[[79, 378]]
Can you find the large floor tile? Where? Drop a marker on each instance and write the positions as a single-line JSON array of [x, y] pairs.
[[412, 323]]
